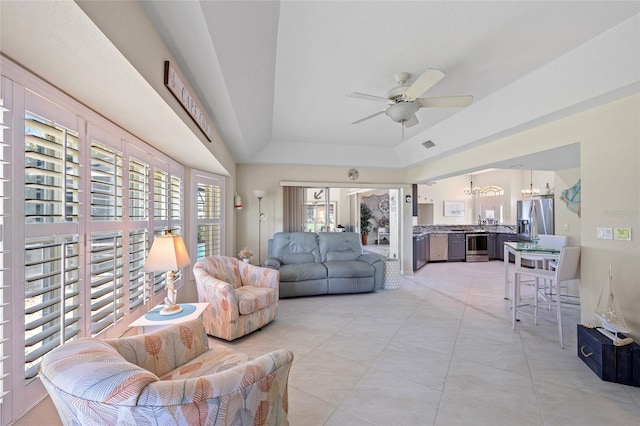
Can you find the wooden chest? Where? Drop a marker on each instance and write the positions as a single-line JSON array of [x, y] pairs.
[[635, 356], [611, 363]]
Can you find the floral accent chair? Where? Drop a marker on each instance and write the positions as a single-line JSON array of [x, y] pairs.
[[168, 377], [242, 297]]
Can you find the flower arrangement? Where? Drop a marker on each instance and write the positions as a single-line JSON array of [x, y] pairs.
[[245, 253]]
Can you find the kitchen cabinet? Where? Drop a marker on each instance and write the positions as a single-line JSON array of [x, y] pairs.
[[456, 247], [492, 246], [500, 240], [420, 251]]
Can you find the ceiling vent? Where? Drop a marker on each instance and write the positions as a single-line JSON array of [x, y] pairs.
[[428, 144]]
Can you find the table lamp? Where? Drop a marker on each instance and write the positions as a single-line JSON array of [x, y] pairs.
[[168, 254]]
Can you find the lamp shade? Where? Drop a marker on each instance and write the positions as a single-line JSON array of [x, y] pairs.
[[258, 193], [168, 253]]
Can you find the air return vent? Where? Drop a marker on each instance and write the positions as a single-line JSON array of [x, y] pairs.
[[428, 144]]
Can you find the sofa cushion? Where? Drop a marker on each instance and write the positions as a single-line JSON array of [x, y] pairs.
[[302, 272], [341, 255], [252, 299], [349, 269], [339, 244], [218, 358], [285, 244], [297, 258]]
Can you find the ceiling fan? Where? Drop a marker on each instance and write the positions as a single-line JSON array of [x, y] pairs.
[[403, 101]]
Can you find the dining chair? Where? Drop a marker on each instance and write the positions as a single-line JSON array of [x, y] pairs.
[[567, 270]]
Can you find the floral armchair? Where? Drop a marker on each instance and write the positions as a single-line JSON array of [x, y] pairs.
[[242, 297], [168, 377]]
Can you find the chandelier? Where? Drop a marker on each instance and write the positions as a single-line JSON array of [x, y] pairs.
[[531, 191], [471, 190]]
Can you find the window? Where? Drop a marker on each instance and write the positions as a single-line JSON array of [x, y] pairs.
[[52, 172], [209, 217], [107, 283], [51, 272], [138, 248], [106, 183], [168, 202], [317, 204], [491, 191], [92, 197], [52, 297], [4, 190], [138, 189]]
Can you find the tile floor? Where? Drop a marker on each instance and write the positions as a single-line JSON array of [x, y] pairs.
[[437, 351]]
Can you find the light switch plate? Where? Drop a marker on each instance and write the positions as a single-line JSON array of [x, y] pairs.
[[604, 234]]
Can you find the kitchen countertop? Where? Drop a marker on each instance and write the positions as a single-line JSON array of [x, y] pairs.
[[461, 229]]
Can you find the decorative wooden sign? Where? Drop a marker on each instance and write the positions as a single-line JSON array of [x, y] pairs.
[[175, 84]]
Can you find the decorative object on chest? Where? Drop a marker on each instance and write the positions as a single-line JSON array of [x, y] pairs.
[[619, 364]]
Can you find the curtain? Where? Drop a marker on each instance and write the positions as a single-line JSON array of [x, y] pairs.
[[293, 209]]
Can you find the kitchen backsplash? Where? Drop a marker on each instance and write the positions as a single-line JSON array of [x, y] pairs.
[[420, 229]]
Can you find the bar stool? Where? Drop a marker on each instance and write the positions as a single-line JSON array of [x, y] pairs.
[[567, 270]]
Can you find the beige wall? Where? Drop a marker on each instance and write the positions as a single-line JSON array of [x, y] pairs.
[[269, 177], [609, 139]]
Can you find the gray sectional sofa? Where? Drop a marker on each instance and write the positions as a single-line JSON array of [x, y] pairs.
[[323, 263]]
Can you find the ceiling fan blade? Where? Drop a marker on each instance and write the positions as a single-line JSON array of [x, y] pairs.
[[366, 97], [368, 117], [411, 122], [423, 83], [445, 101]]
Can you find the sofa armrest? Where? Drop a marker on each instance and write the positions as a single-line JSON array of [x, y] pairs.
[[221, 296], [272, 262], [250, 381], [258, 276], [370, 258], [163, 350]]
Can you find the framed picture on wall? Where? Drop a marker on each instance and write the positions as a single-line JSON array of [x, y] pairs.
[[454, 208]]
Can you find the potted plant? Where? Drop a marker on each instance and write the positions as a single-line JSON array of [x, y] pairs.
[[245, 254], [365, 224]]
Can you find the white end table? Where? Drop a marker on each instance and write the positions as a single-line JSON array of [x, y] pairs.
[[151, 321]]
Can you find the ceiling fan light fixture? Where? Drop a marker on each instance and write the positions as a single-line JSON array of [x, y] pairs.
[[402, 111]]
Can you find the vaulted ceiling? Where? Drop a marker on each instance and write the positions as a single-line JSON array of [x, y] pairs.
[[274, 75]]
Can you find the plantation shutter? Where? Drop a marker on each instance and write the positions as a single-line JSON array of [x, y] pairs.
[[52, 265], [209, 219], [4, 257], [107, 280]]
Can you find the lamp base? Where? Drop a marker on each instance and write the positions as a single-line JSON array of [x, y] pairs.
[[170, 310]]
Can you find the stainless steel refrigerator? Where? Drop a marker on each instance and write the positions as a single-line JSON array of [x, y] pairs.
[[544, 211]]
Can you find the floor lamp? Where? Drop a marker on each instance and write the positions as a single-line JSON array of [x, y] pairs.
[[259, 194]]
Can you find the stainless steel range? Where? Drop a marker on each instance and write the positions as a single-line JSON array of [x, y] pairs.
[[477, 247]]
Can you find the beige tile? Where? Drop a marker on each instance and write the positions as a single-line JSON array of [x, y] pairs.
[[305, 409], [381, 398], [326, 376], [479, 394], [437, 351]]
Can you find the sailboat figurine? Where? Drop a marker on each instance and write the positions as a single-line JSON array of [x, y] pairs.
[[611, 316]]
